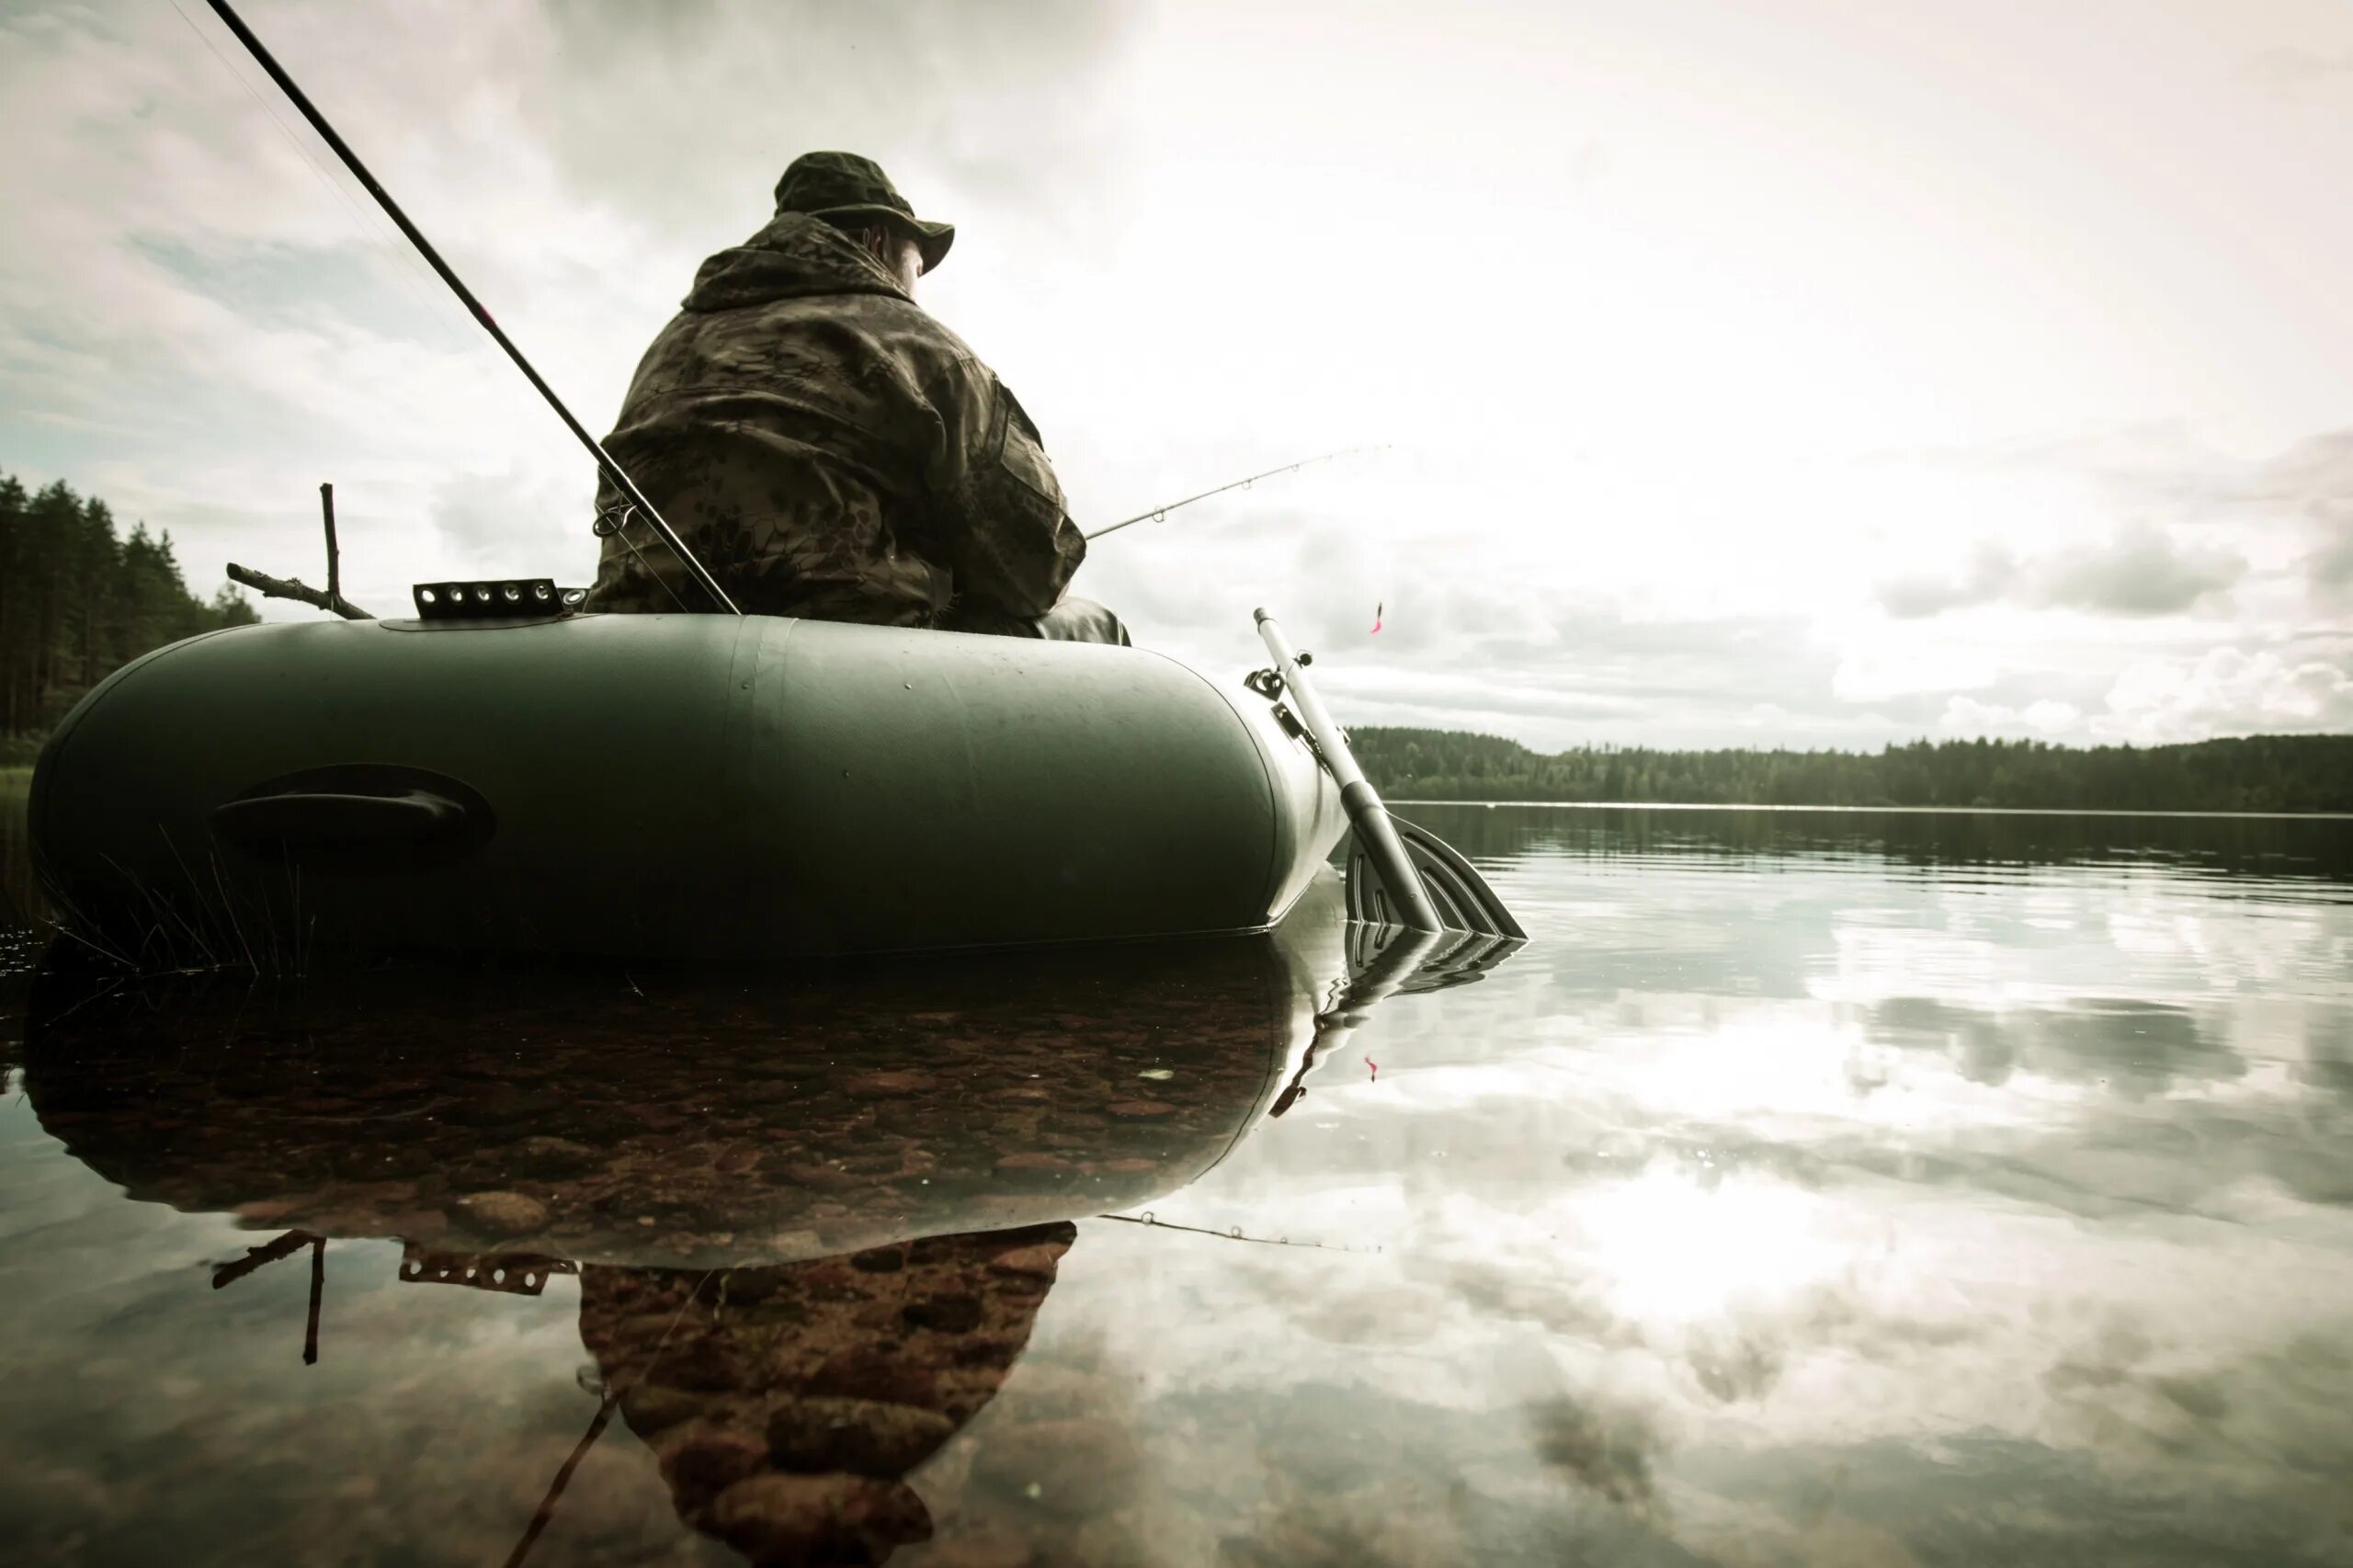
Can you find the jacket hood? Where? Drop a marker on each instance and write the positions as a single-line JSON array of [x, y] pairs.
[[794, 257]]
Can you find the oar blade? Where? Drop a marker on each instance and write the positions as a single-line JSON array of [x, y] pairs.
[[1463, 899]]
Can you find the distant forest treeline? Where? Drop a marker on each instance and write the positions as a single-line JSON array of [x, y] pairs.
[[2262, 773], [76, 601]]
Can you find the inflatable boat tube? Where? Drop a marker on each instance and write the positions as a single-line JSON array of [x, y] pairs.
[[663, 785]]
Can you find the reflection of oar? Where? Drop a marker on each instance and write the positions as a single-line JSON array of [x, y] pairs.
[[1159, 512], [1388, 969], [1384, 962]]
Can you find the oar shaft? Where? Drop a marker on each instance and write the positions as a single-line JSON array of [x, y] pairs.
[[1366, 813]]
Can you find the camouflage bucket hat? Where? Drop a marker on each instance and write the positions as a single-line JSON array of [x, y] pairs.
[[846, 190]]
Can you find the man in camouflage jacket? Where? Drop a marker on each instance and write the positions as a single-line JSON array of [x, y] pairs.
[[828, 448]]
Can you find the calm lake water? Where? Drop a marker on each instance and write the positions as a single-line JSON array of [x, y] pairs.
[[1812, 1189]]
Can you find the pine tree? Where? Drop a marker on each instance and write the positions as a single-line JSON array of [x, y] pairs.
[[78, 601]]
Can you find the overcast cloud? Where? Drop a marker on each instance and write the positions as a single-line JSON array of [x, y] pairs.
[[1809, 372], [2141, 572]]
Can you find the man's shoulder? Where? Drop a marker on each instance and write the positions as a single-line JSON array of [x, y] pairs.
[[894, 313], [892, 325]]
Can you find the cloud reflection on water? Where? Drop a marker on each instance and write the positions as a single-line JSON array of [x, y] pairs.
[[1992, 1215], [1903, 1196]]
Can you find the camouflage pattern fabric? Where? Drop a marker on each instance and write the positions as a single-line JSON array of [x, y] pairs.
[[828, 450]]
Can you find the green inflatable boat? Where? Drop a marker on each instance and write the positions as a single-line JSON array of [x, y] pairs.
[[666, 785], [504, 773]]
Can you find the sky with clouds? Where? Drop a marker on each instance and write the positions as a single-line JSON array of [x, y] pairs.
[[1745, 372]]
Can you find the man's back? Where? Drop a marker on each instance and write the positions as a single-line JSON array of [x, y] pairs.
[[829, 449]]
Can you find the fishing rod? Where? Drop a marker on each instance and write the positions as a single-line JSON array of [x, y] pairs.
[[1159, 512], [612, 471]]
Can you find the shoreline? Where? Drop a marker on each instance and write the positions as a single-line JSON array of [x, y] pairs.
[[1878, 811], [12, 774]]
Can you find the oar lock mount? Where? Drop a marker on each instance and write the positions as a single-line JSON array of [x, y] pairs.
[[1269, 684]]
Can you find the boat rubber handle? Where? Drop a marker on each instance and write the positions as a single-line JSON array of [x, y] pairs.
[[323, 817]]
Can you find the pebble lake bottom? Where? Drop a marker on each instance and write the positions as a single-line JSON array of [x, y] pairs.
[[1812, 1189]]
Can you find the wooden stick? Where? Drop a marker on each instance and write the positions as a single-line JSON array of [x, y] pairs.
[[334, 556], [295, 588]]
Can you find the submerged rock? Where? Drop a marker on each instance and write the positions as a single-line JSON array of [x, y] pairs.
[[889, 1086], [781, 1518], [702, 1458], [504, 1214], [865, 1437]]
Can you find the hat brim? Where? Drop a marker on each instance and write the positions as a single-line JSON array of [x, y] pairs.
[[932, 240]]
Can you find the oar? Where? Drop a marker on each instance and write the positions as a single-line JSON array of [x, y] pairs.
[[1413, 877]]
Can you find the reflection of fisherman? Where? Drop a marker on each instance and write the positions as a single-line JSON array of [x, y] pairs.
[[830, 450], [788, 1404]]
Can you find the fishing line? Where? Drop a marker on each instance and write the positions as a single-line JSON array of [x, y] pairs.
[[620, 532], [1234, 1235]]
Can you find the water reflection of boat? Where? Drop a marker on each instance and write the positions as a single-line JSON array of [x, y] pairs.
[[812, 1220], [667, 1120]]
